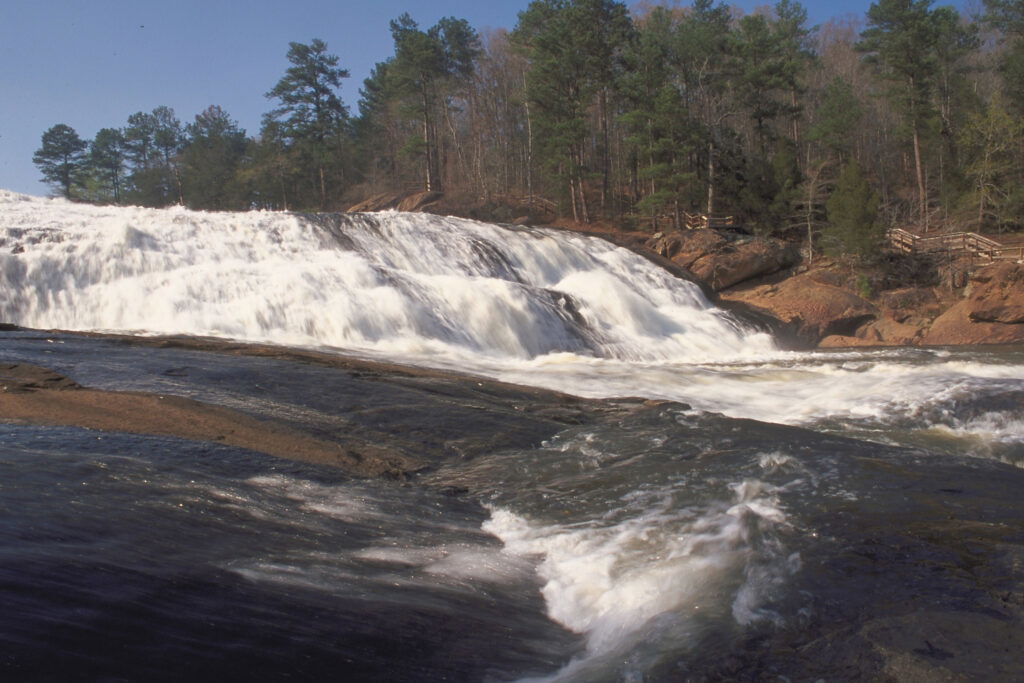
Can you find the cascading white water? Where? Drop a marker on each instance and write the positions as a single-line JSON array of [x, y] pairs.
[[540, 307], [389, 283]]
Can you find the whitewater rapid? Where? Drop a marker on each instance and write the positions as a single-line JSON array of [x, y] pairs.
[[401, 285], [539, 307]]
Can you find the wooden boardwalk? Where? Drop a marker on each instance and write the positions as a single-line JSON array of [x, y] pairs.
[[702, 221], [956, 243]]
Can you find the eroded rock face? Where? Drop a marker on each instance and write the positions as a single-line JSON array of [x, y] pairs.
[[808, 309], [992, 313], [721, 261], [997, 294], [917, 306]]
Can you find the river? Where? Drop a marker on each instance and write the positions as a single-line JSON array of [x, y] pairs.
[[764, 512]]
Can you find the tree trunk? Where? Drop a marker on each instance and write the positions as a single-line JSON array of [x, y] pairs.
[[323, 189], [430, 182], [572, 198], [922, 191], [711, 178], [605, 152], [529, 152]]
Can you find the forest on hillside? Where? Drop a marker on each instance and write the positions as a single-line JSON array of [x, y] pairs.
[[910, 115]]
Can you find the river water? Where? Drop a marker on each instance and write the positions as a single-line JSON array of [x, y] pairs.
[[635, 549]]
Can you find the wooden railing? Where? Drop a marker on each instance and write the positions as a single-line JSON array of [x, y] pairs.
[[971, 243], [702, 221]]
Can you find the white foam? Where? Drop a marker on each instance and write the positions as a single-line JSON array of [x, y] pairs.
[[609, 581], [389, 282], [537, 307]]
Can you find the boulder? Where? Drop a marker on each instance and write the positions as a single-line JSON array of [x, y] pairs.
[[997, 294], [723, 261], [992, 313], [402, 201], [685, 248], [378, 202], [912, 305], [955, 327], [808, 310], [843, 341], [419, 201], [885, 331]]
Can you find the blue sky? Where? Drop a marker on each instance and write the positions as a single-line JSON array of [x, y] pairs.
[[92, 63]]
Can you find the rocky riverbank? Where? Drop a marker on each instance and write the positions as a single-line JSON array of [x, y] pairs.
[[829, 305]]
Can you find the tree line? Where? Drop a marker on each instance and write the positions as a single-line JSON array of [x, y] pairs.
[[911, 114]]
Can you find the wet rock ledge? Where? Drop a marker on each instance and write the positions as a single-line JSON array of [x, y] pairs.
[[390, 420]]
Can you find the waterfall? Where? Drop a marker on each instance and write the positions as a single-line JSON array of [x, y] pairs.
[[397, 284]]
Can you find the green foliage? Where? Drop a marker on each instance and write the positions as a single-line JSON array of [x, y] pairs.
[[574, 48], [864, 288], [61, 158], [310, 108], [428, 71], [106, 165], [853, 225], [660, 128], [761, 73], [990, 142], [837, 119], [669, 110], [151, 144], [310, 127], [1007, 17], [211, 159]]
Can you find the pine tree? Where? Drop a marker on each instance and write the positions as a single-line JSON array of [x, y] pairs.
[[61, 158], [211, 160], [427, 70], [660, 129], [106, 164], [989, 141], [853, 225], [1007, 16], [312, 119], [574, 47], [901, 41]]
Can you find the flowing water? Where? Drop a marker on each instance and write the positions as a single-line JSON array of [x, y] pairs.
[[617, 551]]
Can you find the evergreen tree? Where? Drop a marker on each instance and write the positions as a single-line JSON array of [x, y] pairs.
[[427, 69], [761, 81], [376, 129], [706, 71], [853, 225], [837, 119], [312, 120], [901, 41], [106, 164], [989, 141], [168, 141], [61, 158], [795, 55], [211, 159], [574, 47], [152, 144], [661, 131], [1007, 16]]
